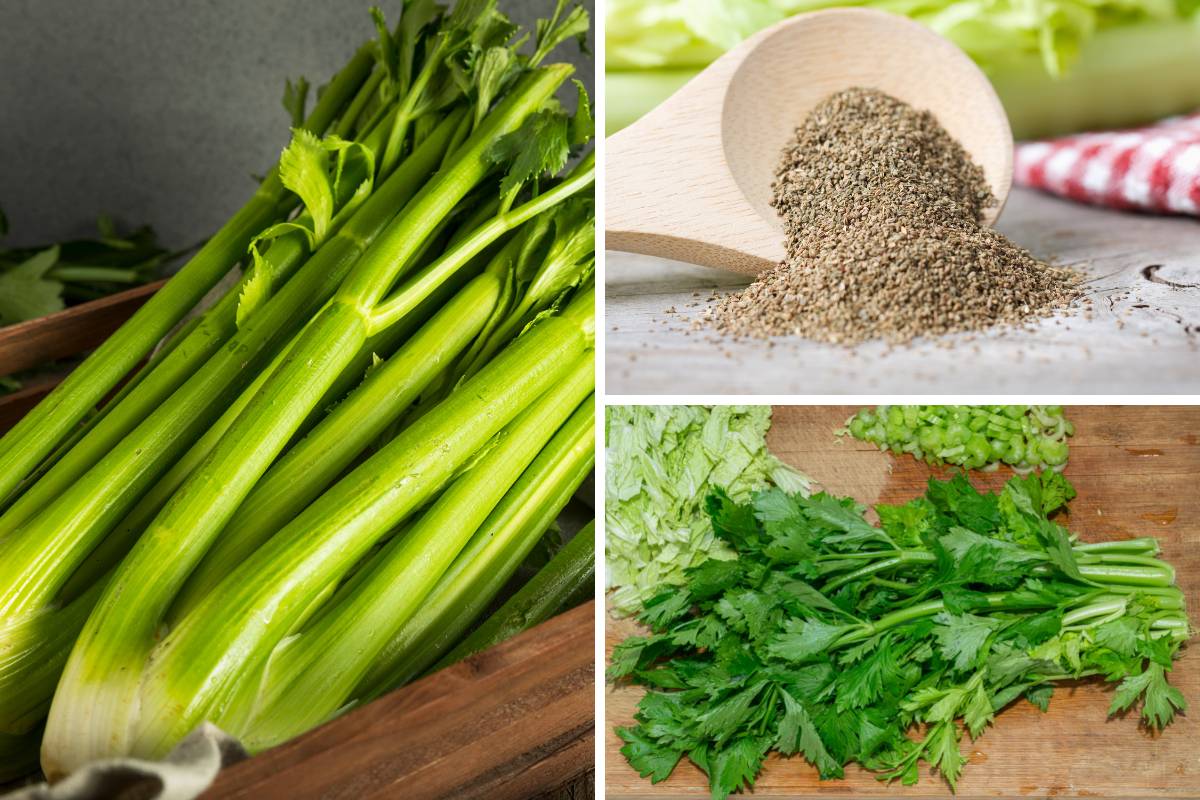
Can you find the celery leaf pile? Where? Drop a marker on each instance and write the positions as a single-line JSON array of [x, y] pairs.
[[840, 640]]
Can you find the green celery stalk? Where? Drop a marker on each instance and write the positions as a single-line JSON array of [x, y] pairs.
[[142, 587], [1126, 74], [384, 344], [398, 125], [33, 650], [40, 582], [491, 557], [188, 352], [314, 463], [41, 554], [81, 273], [403, 300], [350, 123], [110, 652], [313, 675], [117, 543], [196, 669], [41, 430], [124, 412], [572, 568], [80, 431]]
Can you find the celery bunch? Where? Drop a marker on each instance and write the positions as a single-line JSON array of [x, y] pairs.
[[252, 531]]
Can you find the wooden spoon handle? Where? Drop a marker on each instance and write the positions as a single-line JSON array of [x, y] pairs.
[[669, 191]]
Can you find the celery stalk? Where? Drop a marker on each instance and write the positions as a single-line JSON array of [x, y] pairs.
[[572, 568], [489, 559], [312, 675], [40, 431], [33, 650], [1124, 75], [310, 467], [196, 669]]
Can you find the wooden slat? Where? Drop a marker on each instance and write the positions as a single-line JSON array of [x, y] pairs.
[[1136, 469], [71, 331], [17, 404], [511, 722]]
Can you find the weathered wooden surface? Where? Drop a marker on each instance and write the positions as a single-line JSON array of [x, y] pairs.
[[1136, 470], [1143, 337], [509, 723]]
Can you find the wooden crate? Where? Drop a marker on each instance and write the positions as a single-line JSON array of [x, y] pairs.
[[69, 332]]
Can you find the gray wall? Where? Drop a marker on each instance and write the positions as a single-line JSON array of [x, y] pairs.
[[159, 112]]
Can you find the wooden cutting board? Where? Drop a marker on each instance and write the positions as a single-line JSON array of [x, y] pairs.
[[1137, 472]]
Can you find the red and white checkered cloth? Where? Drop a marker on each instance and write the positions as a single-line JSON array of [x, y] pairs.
[[1156, 168]]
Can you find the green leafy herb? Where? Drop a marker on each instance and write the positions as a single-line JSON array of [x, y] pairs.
[[27, 290], [35, 281], [825, 640]]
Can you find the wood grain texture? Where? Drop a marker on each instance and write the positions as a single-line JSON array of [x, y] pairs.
[[581, 788], [1143, 336], [512, 722], [68, 332], [1136, 470], [692, 179]]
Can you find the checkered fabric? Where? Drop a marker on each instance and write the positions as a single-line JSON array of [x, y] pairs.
[[1156, 168]]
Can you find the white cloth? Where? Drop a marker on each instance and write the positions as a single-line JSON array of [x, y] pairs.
[[189, 769]]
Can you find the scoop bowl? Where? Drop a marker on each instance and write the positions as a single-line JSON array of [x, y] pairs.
[[692, 179]]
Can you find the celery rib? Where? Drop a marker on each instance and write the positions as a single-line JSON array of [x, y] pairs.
[[490, 558]]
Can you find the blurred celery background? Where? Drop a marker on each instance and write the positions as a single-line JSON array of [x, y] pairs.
[[1058, 65]]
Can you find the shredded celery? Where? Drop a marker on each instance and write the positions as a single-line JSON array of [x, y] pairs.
[[662, 461]]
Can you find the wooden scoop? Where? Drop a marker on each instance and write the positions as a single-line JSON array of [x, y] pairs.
[[692, 179]]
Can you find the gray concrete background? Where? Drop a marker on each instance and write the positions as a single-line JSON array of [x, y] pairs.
[[160, 113]]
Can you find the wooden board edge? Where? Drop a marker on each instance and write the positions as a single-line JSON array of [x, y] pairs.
[[65, 333], [345, 757]]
